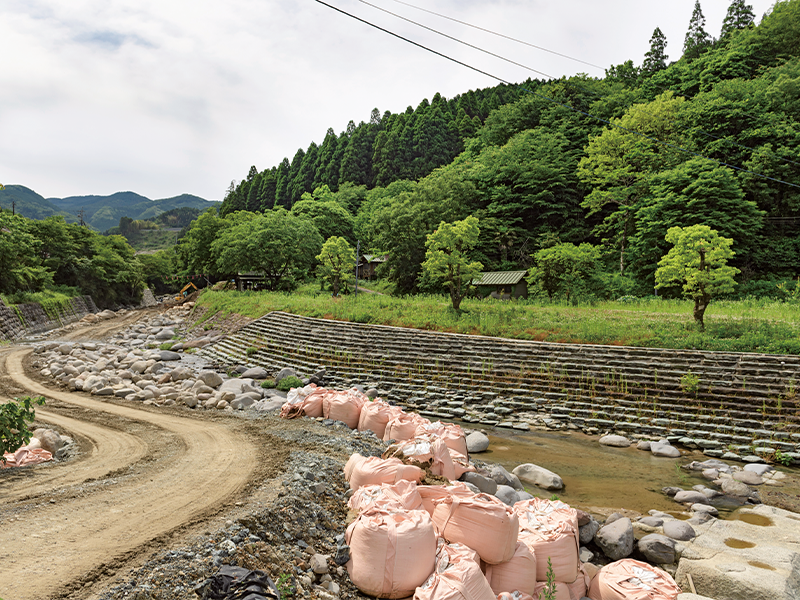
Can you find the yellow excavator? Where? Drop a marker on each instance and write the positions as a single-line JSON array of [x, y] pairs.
[[184, 291]]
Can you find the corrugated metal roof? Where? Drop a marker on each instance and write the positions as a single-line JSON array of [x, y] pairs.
[[500, 278]]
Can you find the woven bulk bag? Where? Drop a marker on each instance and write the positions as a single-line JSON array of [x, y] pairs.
[[374, 470], [430, 493], [518, 574], [344, 406], [550, 530], [515, 595], [562, 591], [461, 463], [403, 495], [375, 415], [579, 587], [452, 435], [457, 577], [354, 459], [391, 553], [403, 426], [481, 522], [296, 405], [629, 579], [425, 449]]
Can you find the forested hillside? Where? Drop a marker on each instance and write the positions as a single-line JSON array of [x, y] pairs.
[[712, 138]]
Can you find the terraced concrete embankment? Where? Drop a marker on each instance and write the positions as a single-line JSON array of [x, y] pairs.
[[743, 402]]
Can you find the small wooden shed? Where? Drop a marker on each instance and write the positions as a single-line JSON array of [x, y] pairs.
[[367, 263], [503, 285]]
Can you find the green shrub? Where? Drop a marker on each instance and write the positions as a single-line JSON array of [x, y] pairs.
[[251, 350], [268, 384], [166, 346], [14, 418], [288, 383], [690, 383]]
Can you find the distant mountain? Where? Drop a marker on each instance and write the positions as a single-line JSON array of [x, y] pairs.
[[29, 204], [100, 212], [104, 212]]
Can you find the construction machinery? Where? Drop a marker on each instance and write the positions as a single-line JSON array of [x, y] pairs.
[[185, 291]]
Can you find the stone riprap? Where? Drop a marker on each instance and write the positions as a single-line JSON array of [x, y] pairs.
[[28, 319], [745, 404]]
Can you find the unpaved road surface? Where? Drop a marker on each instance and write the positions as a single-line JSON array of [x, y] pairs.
[[141, 478]]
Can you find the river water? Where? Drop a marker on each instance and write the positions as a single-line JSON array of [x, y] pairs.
[[597, 478]]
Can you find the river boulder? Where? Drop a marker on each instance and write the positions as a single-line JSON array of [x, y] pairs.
[[616, 539], [538, 476], [615, 441]]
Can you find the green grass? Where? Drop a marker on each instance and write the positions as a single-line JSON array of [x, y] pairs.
[[759, 325], [62, 294]]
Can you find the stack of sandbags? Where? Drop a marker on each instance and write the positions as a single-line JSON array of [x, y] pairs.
[[457, 576], [391, 553], [431, 493], [403, 495], [468, 519], [344, 406], [375, 415], [425, 449], [550, 530], [303, 401], [452, 435], [403, 426], [629, 579], [515, 575], [360, 471]]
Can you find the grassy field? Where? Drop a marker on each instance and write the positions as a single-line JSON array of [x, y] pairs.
[[742, 326]]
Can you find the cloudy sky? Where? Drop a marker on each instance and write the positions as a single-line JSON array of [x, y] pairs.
[[164, 97]]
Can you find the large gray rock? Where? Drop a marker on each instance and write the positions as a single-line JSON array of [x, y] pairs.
[[484, 484], [731, 487], [284, 373], [748, 477], [616, 539], [758, 469], [165, 334], [538, 476], [678, 530], [180, 374], [588, 531], [657, 549], [210, 378], [256, 373], [477, 442], [168, 355], [615, 441], [507, 494], [664, 450], [691, 497], [503, 477], [49, 440]]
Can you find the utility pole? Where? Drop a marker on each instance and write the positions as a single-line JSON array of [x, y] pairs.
[[358, 252]]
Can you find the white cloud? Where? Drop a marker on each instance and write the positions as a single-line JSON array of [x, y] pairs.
[[170, 96]]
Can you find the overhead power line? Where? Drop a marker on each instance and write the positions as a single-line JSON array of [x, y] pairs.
[[508, 37], [556, 102]]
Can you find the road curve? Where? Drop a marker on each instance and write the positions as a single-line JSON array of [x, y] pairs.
[[72, 519]]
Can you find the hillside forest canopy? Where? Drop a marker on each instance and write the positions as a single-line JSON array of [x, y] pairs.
[[608, 165]]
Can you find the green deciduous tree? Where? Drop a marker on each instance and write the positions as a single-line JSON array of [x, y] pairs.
[[277, 243], [20, 265], [337, 260], [698, 260], [328, 216], [448, 257], [566, 269]]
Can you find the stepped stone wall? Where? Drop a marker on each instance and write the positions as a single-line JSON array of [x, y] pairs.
[[27, 319], [742, 402]]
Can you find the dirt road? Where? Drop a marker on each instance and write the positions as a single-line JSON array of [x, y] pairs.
[[141, 475]]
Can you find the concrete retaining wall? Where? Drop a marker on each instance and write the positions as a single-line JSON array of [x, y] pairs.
[[742, 403], [27, 319]]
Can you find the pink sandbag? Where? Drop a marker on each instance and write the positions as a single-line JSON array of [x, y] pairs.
[[481, 522], [403, 426], [375, 415], [452, 435], [303, 401], [562, 591], [550, 530], [425, 449], [403, 495], [430, 493], [457, 577], [515, 595], [629, 579], [461, 463], [579, 587], [25, 456], [391, 553], [518, 574], [344, 406], [374, 471]]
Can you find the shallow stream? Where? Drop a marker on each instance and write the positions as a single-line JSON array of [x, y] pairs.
[[597, 478]]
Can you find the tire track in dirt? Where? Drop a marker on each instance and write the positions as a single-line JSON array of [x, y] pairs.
[[48, 545]]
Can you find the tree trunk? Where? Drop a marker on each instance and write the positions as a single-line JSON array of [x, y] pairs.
[[700, 306]]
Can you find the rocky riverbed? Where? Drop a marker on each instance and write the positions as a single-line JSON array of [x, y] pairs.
[[293, 527]]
